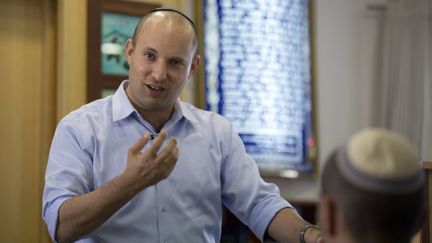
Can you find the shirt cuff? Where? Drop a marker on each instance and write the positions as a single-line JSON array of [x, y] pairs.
[[263, 217], [85, 240], [51, 216]]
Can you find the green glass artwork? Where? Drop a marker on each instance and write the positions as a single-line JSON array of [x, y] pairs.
[[116, 30]]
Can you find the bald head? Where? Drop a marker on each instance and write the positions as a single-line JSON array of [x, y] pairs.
[[171, 16]]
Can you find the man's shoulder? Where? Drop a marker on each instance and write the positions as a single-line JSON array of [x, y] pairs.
[[90, 112], [202, 115]]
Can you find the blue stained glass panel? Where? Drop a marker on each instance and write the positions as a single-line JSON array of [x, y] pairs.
[[258, 75]]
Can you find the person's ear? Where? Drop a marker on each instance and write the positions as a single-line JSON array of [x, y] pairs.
[[129, 49], [194, 66], [327, 215]]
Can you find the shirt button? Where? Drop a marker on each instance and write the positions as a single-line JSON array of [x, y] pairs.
[[164, 209]]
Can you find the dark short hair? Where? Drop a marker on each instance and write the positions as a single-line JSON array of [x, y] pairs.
[[394, 218], [151, 12]]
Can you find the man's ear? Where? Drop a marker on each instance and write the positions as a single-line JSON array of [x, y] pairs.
[[327, 215], [129, 49], [194, 66]]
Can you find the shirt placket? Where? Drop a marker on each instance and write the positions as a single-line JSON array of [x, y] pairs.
[[162, 212]]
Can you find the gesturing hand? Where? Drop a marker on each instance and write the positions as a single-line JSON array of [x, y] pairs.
[[148, 167]]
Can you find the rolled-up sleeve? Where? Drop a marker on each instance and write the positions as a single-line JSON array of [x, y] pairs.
[[68, 172], [254, 201]]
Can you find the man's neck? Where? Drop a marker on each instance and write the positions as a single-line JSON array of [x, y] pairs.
[[157, 118]]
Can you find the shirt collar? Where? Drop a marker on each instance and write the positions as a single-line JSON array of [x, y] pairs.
[[181, 109], [122, 107]]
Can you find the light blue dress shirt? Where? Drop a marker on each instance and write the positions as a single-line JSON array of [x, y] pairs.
[[89, 149]]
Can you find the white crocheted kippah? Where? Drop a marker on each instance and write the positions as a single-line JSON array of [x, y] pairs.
[[380, 161]]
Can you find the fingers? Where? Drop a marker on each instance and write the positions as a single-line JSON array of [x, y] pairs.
[[157, 143], [170, 152], [136, 148], [167, 159]]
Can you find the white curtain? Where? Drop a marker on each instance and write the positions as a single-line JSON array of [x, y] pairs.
[[404, 89]]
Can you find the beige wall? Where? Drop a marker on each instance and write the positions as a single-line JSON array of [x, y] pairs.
[[27, 38]]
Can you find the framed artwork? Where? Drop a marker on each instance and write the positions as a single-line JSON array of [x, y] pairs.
[[258, 74], [110, 24]]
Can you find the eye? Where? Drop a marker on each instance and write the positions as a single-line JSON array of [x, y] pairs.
[[176, 62], [149, 55]]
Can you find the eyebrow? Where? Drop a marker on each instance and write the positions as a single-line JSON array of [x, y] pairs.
[[177, 58], [150, 49]]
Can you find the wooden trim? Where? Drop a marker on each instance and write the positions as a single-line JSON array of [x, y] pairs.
[[93, 53], [131, 8], [314, 150], [426, 229], [71, 55], [200, 75], [47, 94], [426, 165]]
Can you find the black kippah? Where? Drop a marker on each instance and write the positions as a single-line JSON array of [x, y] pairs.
[[173, 10]]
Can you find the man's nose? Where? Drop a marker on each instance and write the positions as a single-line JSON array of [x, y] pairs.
[[159, 70]]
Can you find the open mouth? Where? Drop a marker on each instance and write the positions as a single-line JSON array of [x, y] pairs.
[[155, 90]]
